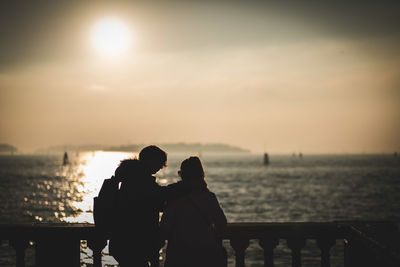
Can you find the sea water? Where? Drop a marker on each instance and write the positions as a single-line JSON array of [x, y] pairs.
[[314, 188]]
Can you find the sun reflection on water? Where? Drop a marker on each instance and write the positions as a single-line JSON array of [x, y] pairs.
[[93, 168]]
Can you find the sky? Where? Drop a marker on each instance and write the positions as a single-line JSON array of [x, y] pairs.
[[284, 76]]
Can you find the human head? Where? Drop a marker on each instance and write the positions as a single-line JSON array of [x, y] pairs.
[[154, 158], [126, 168], [192, 171]]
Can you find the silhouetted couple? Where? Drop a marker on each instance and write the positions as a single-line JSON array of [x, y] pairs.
[[192, 221]]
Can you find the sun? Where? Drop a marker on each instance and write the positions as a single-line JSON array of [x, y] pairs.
[[111, 37]]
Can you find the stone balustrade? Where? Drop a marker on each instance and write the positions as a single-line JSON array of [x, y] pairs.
[[59, 244]]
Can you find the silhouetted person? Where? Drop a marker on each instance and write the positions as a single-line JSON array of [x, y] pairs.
[[193, 224], [135, 241]]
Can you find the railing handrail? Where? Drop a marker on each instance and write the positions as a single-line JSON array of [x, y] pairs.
[[239, 234], [283, 230]]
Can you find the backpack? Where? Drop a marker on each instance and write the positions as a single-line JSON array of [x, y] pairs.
[[105, 206]]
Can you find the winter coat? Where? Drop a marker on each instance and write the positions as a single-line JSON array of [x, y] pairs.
[[140, 200], [187, 225]]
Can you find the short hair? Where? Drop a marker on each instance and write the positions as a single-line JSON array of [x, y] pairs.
[[153, 153]]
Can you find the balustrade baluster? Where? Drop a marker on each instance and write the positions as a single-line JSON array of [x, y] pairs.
[[325, 245], [19, 245], [268, 244], [296, 245], [59, 244], [97, 246], [239, 245]]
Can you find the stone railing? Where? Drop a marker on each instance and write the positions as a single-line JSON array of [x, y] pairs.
[[59, 244]]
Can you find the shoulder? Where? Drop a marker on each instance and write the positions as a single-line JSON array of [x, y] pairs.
[[211, 200], [210, 195]]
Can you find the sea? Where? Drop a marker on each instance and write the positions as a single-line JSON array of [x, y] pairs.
[[311, 188]]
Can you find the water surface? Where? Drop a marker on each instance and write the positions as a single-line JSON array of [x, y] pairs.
[[318, 188]]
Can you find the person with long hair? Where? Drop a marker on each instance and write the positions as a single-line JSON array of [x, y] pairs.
[[135, 238], [194, 223]]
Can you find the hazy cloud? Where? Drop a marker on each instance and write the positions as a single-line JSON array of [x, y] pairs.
[[34, 31], [311, 76]]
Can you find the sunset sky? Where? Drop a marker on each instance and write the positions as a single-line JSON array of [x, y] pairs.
[[310, 76]]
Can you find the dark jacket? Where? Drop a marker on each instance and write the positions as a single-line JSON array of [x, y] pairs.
[[193, 226], [139, 202]]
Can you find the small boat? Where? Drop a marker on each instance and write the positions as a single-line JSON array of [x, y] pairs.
[[65, 160], [266, 159]]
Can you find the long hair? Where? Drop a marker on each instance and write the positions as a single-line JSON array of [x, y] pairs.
[[192, 171], [127, 168]]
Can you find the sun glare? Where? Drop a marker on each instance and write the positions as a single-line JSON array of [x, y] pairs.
[[111, 37]]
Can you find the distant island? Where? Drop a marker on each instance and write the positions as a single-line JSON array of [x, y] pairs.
[[6, 148], [187, 147], [169, 147]]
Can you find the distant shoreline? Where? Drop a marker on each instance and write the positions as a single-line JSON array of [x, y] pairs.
[[169, 147]]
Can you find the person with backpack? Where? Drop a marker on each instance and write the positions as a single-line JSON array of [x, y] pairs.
[[135, 237]]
